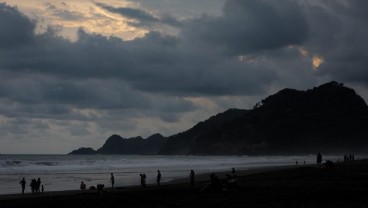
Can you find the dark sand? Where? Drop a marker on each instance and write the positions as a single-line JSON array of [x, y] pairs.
[[345, 185]]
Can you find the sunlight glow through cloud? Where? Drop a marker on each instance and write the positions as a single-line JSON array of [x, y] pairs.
[[68, 16], [317, 61], [303, 52]]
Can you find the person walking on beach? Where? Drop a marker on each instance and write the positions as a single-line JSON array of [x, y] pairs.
[[158, 177], [23, 184], [112, 180], [191, 176]]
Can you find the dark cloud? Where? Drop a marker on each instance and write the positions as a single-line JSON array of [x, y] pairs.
[[98, 84], [248, 26], [15, 28], [197, 62], [339, 31]]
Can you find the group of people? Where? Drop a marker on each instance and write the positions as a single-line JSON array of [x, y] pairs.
[[36, 186], [216, 185], [143, 179], [349, 158], [158, 178]]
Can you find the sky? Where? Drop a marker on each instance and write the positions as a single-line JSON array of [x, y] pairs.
[[74, 72]]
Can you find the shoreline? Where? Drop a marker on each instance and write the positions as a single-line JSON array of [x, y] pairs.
[[59, 173], [200, 178], [344, 185]]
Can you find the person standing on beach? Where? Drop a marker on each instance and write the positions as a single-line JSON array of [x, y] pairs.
[[191, 176], [83, 186], [319, 158], [23, 184], [112, 180], [143, 180], [158, 177], [38, 185], [33, 186]]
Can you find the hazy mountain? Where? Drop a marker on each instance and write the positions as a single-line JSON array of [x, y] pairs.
[[137, 145], [116, 144]]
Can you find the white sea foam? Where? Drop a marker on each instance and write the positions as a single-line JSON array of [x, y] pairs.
[[65, 172]]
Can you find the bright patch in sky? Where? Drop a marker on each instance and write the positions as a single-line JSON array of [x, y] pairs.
[[317, 61]]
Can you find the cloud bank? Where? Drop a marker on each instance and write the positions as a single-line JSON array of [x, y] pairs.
[[68, 94]]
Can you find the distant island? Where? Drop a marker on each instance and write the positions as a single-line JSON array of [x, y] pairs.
[[330, 118], [116, 144]]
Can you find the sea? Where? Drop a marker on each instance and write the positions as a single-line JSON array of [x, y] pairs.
[[65, 172]]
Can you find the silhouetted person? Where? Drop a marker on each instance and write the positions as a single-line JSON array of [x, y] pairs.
[[347, 158], [100, 188], [215, 181], [215, 184], [319, 158], [191, 176], [231, 182], [38, 185], [83, 186], [233, 174], [33, 185], [42, 189], [112, 180], [158, 178], [143, 180], [329, 164], [23, 184]]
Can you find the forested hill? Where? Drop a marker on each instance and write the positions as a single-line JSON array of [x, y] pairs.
[[116, 144], [330, 118]]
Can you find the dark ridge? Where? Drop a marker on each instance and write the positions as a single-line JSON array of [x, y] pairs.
[[331, 118], [136, 145]]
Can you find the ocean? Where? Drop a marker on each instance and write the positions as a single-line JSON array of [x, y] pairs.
[[65, 172]]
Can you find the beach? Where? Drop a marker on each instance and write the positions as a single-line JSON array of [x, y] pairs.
[[65, 172], [344, 185]]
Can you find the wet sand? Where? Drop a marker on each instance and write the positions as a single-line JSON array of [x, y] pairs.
[[345, 185]]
